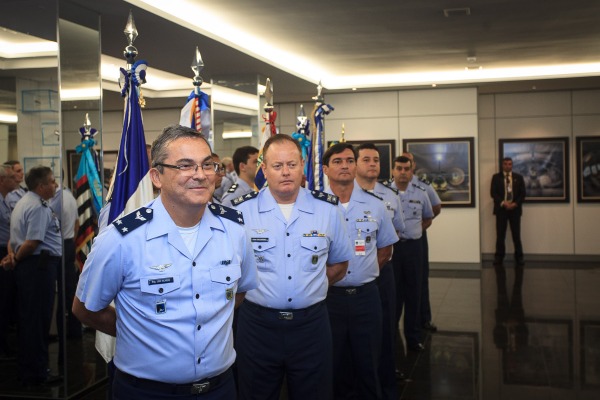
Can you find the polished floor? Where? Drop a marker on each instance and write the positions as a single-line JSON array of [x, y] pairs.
[[503, 334]]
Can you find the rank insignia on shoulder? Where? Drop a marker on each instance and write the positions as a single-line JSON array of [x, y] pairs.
[[228, 213], [372, 194], [330, 198], [424, 180], [232, 188], [388, 183], [389, 186], [133, 220], [419, 187], [239, 200]]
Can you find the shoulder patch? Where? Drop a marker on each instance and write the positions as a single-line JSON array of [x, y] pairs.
[[133, 220], [244, 197], [388, 185], [424, 180], [330, 198], [232, 188], [227, 212], [372, 194], [419, 187]]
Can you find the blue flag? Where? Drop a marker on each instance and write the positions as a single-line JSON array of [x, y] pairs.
[[131, 186], [314, 178], [196, 114]]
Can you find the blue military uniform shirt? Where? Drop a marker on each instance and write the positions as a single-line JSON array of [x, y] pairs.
[[391, 200], [236, 190], [291, 256], [174, 308], [13, 197], [5, 211], [367, 220], [33, 219], [416, 207], [434, 198]]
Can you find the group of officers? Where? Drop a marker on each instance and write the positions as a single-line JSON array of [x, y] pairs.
[[321, 279], [32, 245]]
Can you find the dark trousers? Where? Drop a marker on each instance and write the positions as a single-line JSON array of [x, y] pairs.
[[387, 365], [271, 345], [128, 389], [425, 305], [356, 330], [408, 262], [503, 218], [8, 304], [66, 284], [35, 277]]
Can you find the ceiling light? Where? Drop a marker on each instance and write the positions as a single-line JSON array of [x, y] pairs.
[[9, 117], [237, 135]]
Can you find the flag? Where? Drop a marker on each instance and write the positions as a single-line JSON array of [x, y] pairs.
[[302, 136], [131, 186], [270, 129], [88, 193], [314, 178], [196, 114]]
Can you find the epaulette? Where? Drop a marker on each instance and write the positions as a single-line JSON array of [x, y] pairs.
[[232, 188], [424, 180], [372, 194], [44, 203], [133, 220], [389, 186], [328, 197], [419, 187], [239, 200], [227, 212], [388, 183]]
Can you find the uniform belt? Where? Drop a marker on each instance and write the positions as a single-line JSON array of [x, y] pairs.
[[407, 240], [283, 314], [351, 290], [199, 387]]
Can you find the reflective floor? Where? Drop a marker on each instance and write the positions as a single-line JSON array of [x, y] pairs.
[[503, 334]]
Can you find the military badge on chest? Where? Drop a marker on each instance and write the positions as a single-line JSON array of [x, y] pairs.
[[229, 294]]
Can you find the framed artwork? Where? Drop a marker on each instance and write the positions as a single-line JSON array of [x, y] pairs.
[[544, 164], [109, 159], [50, 133], [543, 355], [448, 165], [387, 153], [52, 162], [588, 169], [590, 354]]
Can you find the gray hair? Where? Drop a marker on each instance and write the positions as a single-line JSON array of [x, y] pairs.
[[4, 169], [171, 133]]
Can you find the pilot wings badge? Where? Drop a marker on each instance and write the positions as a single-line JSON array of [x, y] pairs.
[[161, 267]]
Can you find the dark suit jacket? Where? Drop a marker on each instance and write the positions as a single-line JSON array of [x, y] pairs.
[[497, 192]]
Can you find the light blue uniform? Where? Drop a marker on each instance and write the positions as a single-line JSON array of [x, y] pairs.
[[5, 211], [434, 198], [68, 214], [368, 221], [13, 197], [391, 200], [33, 219], [291, 256], [174, 309], [416, 207], [236, 190]]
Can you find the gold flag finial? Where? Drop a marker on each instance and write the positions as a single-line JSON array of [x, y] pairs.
[[343, 140]]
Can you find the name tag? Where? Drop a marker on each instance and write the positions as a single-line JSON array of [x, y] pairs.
[[160, 281], [360, 247], [259, 239]]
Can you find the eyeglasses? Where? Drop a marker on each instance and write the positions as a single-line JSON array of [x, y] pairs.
[[208, 167]]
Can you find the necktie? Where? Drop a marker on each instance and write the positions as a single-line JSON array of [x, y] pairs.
[[509, 192]]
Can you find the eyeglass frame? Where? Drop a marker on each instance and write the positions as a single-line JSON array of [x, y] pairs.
[[184, 167]]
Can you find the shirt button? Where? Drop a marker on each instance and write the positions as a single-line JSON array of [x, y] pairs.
[[349, 272], [260, 247], [290, 300], [198, 360], [289, 255], [289, 277], [287, 234], [315, 247], [160, 290], [346, 219], [197, 296], [228, 279], [198, 327], [194, 264]]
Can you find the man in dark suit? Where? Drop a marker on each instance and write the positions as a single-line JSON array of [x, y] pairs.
[[508, 192]]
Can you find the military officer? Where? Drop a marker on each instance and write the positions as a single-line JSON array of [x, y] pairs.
[[13, 197], [175, 269], [353, 302], [218, 180], [408, 252], [245, 161], [436, 206], [367, 172], [35, 254], [299, 243]]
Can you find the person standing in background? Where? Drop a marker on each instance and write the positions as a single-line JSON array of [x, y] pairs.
[[245, 161], [508, 191]]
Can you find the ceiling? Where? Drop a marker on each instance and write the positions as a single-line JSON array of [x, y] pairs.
[[347, 42]]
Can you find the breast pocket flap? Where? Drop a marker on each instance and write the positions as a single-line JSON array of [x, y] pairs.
[[226, 275], [159, 284]]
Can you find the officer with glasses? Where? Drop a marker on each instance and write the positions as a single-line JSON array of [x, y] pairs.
[[176, 269]]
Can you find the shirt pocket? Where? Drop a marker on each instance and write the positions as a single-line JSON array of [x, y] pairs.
[[228, 275], [264, 253], [315, 248], [160, 295], [415, 211]]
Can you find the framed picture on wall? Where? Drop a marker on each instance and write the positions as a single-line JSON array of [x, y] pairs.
[[544, 164], [387, 153], [449, 167], [588, 169], [109, 160]]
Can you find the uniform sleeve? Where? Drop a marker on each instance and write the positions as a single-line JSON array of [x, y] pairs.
[[38, 223], [427, 209], [340, 248], [249, 279], [398, 215], [386, 234], [102, 274]]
